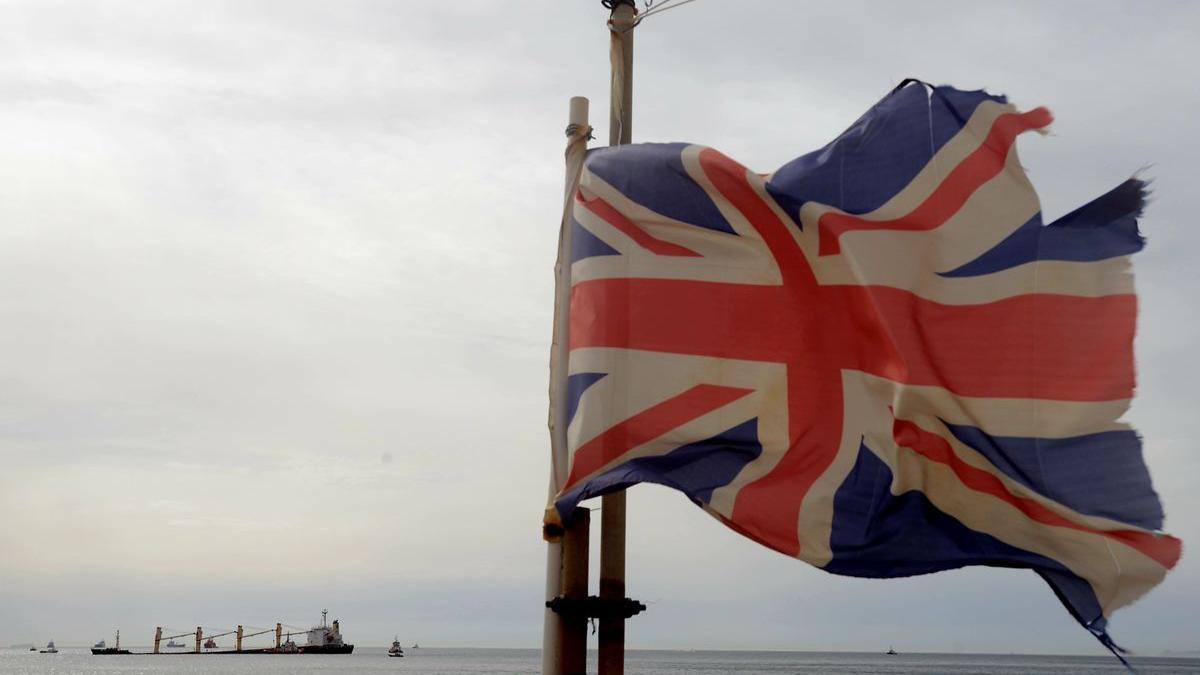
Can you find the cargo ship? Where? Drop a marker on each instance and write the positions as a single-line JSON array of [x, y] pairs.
[[325, 638]]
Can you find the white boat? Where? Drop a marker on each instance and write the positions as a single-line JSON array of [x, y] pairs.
[[395, 649], [50, 648]]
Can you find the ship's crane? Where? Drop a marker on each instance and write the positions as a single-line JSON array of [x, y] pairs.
[[199, 635]]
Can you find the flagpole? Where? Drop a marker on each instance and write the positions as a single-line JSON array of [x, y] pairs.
[[563, 557], [612, 507]]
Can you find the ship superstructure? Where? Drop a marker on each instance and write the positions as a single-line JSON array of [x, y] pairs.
[[326, 638]]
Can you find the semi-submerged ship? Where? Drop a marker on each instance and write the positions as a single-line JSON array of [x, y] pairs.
[[325, 638], [102, 649]]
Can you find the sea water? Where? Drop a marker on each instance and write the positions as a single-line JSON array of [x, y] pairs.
[[433, 661]]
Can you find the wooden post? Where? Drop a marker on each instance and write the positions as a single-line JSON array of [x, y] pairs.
[[199, 634], [157, 638], [238, 646], [612, 507], [552, 623], [555, 624], [278, 634], [575, 587]]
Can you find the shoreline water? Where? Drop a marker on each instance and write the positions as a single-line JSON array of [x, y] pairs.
[[492, 661]]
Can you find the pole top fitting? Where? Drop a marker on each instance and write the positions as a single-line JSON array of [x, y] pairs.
[[623, 16]]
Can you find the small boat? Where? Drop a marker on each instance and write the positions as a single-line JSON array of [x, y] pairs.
[[172, 643], [416, 646], [890, 651], [289, 647], [32, 648], [395, 649], [210, 644], [50, 648]]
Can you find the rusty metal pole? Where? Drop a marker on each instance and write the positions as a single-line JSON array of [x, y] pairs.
[[612, 507]]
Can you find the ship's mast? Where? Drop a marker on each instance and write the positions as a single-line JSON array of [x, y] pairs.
[[323, 613]]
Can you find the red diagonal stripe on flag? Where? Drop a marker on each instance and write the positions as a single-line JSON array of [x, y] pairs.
[[613, 217], [649, 425], [976, 169], [1162, 549]]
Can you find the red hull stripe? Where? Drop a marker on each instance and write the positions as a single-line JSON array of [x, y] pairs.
[[649, 425], [644, 239], [1162, 549], [976, 169]]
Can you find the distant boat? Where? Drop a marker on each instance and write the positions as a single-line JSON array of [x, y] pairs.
[[210, 644], [172, 643], [32, 648], [890, 651], [416, 646], [395, 649], [50, 648]]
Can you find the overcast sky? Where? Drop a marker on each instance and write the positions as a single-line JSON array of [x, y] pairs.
[[277, 298]]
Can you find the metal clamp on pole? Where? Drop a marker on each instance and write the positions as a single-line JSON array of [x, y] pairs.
[[595, 607]]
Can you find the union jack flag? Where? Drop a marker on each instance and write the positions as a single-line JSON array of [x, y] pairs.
[[877, 359]]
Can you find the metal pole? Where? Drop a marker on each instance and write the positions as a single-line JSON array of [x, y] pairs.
[[575, 587], [612, 507], [554, 625]]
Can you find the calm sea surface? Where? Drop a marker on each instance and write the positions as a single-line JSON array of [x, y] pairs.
[[444, 661]]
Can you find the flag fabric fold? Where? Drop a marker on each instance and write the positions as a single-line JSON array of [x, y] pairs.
[[877, 359]]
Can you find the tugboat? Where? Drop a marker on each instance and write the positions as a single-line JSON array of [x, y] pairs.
[[395, 649], [100, 650], [50, 648]]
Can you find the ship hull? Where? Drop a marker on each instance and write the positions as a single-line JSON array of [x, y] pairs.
[[327, 649], [108, 651]]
